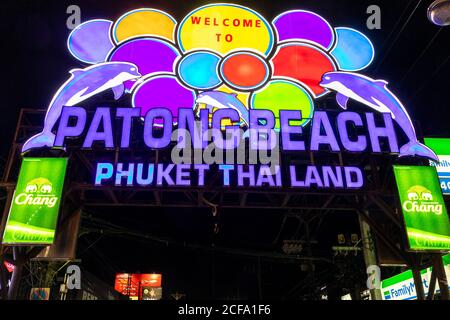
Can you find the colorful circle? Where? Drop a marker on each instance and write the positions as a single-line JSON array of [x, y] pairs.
[[144, 22], [244, 71], [224, 28], [306, 26], [162, 91], [353, 50], [282, 94], [90, 42], [198, 70], [309, 48], [304, 63], [150, 55]]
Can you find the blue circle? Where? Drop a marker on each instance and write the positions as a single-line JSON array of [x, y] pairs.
[[198, 70], [353, 50]]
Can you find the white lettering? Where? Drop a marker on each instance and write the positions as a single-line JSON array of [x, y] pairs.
[[23, 199]]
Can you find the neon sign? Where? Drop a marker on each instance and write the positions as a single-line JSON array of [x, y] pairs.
[[225, 68]]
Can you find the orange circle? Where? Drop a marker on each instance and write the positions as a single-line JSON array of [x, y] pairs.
[[245, 71], [304, 63]]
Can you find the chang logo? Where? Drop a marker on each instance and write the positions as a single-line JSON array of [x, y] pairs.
[[39, 185], [419, 193], [420, 200], [38, 192]]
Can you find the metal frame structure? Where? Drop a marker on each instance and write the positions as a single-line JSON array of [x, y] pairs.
[[376, 204]]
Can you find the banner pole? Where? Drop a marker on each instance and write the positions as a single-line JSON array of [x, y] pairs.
[[9, 197], [3, 272], [370, 256], [432, 285], [17, 274], [438, 267], [420, 292]]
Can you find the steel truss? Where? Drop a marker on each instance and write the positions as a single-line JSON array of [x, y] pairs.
[[377, 203]]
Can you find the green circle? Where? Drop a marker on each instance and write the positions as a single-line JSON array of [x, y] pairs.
[[284, 95]]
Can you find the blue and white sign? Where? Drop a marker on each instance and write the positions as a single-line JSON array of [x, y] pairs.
[[401, 286]]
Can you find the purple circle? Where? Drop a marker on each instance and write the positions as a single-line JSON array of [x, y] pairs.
[[304, 25], [163, 91], [90, 42], [150, 55]]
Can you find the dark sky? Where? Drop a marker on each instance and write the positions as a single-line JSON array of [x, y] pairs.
[[35, 62]]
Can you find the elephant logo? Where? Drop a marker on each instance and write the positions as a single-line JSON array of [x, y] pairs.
[[427, 196], [421, 200], [39, 185], [421, 193], [413, 196], [37, 192], [31, 188]]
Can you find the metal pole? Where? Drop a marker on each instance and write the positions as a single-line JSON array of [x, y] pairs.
[[12, 151], [9, 197], [418, 282], [3, 279], [432, 286], [17, 274], [438, 267], [3, 271], [370, 257]]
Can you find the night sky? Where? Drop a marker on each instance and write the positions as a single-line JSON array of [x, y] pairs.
[[35, 61]]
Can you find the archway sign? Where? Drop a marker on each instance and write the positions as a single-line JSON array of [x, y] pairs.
[[227, 90]]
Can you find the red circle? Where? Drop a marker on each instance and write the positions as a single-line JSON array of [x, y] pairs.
[[304, 63], [245, 70]]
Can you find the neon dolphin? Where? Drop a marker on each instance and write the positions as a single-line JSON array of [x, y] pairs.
[[83, 84], [223, 100], [376, 95]]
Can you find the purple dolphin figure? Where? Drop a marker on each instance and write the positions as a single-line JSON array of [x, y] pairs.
[[83, 84], [376, 95], [223, 100]]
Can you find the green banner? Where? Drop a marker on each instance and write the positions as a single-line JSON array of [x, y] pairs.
[[441, 147], [424, 211], [34, 209]]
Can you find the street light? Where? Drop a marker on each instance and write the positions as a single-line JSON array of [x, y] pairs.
[[439, 12]]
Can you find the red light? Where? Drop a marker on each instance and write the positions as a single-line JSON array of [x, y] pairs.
[[9, 266]]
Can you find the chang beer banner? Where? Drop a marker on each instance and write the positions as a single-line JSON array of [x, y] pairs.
[[423, 207], [442, 148], [34, 210]]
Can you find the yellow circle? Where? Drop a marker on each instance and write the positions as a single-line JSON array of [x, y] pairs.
[[224, 28], [144, 22]]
